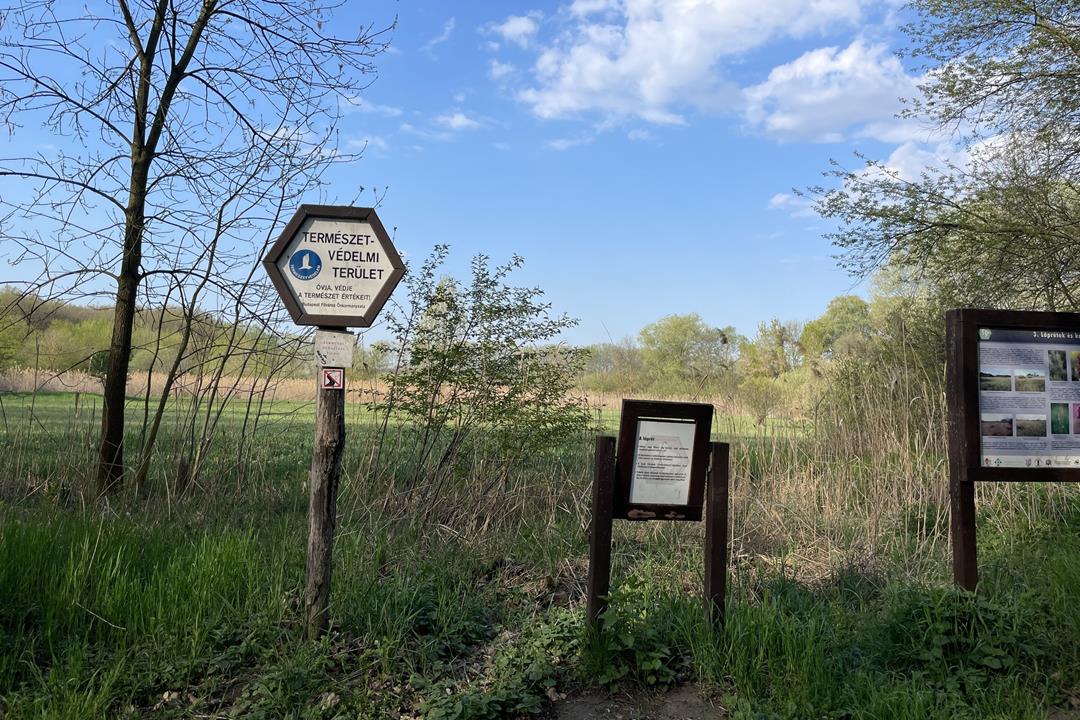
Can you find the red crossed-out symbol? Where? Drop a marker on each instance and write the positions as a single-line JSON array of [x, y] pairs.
[[333, 379]]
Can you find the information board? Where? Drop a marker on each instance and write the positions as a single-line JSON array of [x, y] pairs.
[[662, 460], [1029, 397], [661, 466], [1012, 388]]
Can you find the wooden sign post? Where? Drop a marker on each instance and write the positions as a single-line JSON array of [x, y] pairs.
[[664, 466], [1013, 393], [322, 501], [334, 267]]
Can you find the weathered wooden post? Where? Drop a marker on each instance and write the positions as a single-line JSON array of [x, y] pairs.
[[322, 509], [716, 534], [600, 530], [334, 267], [960, 364]]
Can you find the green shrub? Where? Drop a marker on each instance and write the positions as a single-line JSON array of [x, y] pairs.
[[638, 645]]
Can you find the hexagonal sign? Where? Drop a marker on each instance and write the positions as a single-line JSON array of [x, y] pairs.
[[334, 266]]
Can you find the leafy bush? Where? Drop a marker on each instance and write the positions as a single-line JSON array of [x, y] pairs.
[[637, 645], [482, 357], [761, 396]]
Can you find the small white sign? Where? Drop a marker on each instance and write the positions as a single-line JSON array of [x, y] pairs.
[[334, 349], [332, 378], [661, 469]]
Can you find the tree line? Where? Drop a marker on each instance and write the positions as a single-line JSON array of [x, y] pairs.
[[781, 369]]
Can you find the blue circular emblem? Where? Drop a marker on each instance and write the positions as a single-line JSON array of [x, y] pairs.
[[305, 264]]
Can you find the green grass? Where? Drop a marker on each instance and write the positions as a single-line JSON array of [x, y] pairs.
[[1030, 428], [105, 617], [1031, 384], [996, 383], [153, 608], [1059, 418]]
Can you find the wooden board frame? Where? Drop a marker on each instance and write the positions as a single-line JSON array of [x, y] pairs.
[[333, 212], [962, 390], [633, 411], [964, 433]]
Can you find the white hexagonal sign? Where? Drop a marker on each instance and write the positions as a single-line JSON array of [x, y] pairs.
[[334, 266]]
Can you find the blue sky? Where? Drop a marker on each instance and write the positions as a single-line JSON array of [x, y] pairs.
[[639, 154]]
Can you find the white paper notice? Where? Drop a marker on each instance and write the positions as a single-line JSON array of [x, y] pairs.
[[661, 470]]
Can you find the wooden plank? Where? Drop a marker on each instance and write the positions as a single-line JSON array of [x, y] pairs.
[[716, 535], [963, 428], [600, 531]]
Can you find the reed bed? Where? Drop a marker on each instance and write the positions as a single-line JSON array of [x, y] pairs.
[[142, 385]]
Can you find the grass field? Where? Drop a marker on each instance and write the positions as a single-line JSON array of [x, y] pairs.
[[995, 383], [466, 601], [1059, 368], [1030, 427], [1031, 384]]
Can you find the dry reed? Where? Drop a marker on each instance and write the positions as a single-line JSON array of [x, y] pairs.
[[861, 485]]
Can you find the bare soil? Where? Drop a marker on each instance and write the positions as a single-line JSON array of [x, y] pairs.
[[997, 429], [680, 703]]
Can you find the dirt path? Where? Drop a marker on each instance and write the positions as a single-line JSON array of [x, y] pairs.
[[681, 703]]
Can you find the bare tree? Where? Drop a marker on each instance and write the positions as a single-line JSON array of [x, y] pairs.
[[178, 129]]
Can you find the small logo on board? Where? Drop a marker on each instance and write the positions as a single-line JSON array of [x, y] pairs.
[[985, 333], [305, 265], [332, 378]]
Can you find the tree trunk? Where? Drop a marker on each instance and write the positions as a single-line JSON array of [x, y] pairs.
[[111, 458], [110, 473]]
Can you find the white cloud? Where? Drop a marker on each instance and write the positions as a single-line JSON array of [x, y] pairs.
[[567, 143], [792, 204], [358, 104], [436, 135], [829, 94], [500, 70], [655, 58], [581, 8], [447, 31], [518, 29], [457, 121], [639, 134], [911, 160]]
